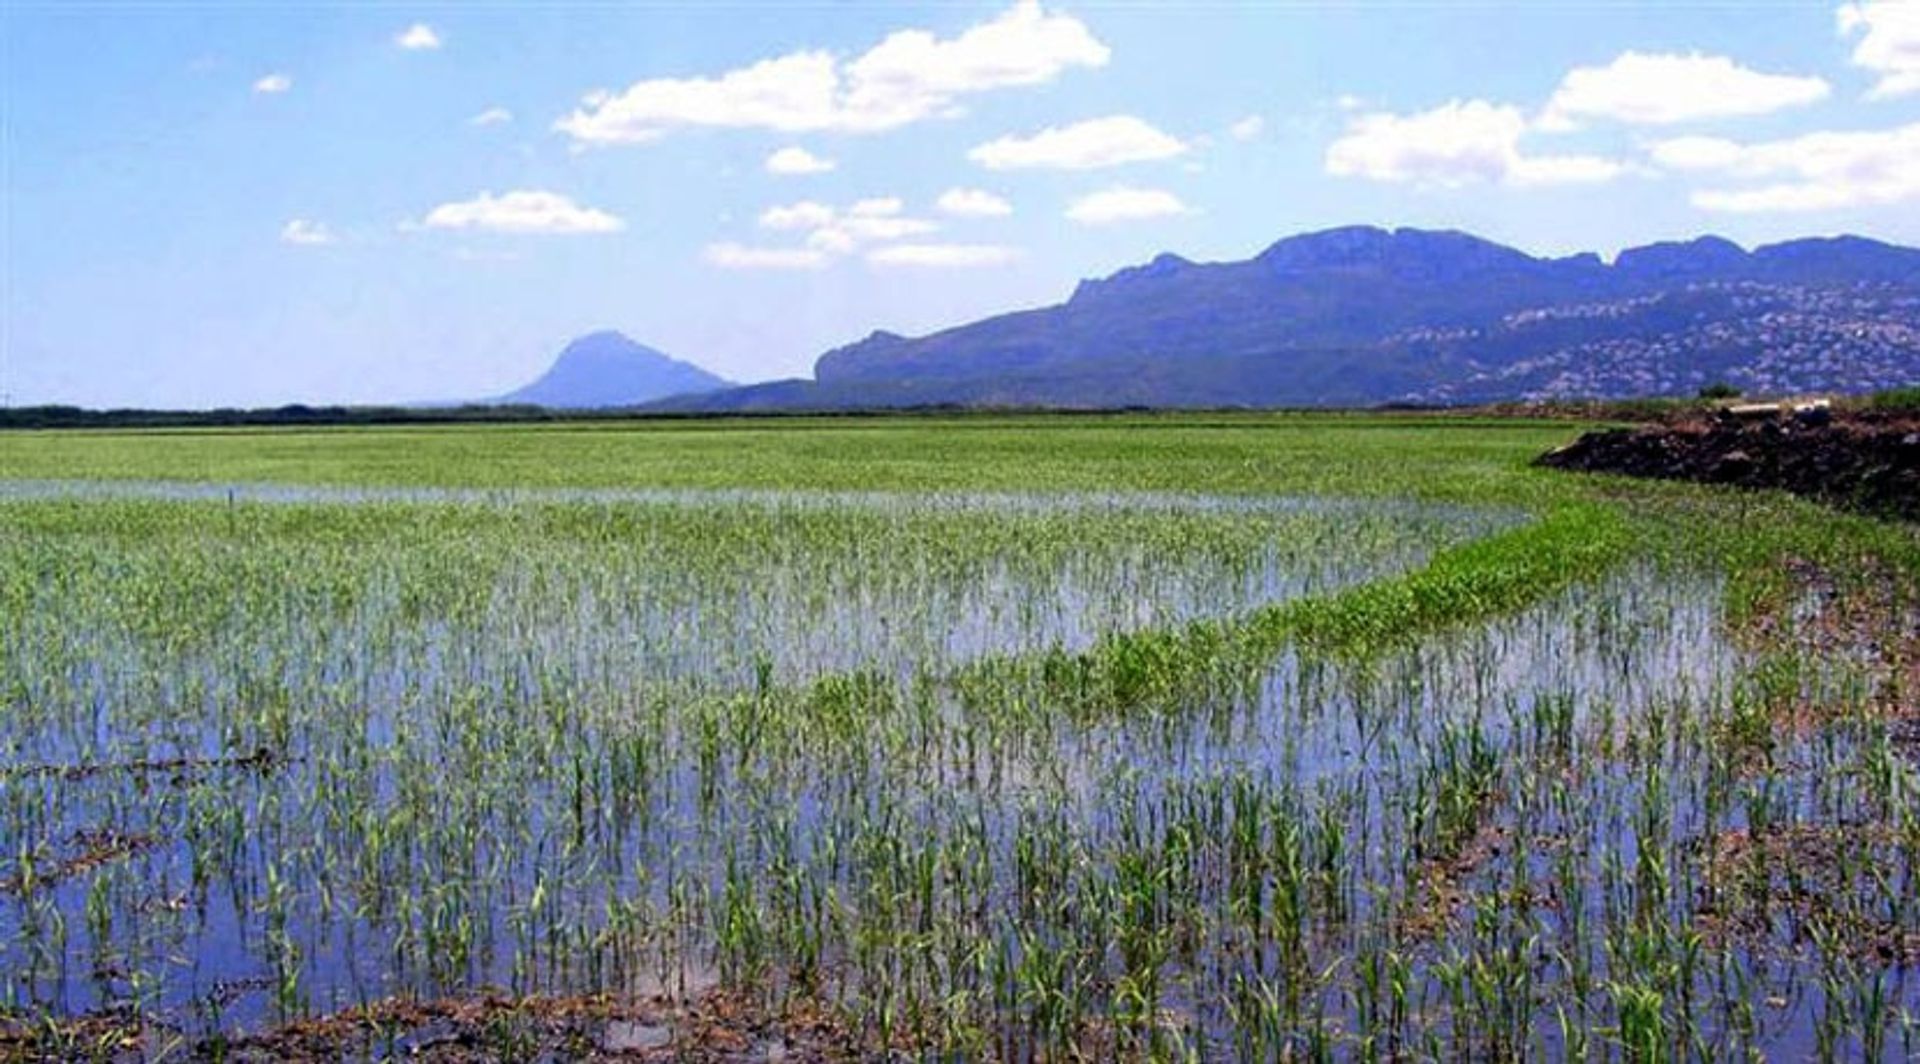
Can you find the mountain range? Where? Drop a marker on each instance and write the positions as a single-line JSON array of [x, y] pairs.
[[1357, 316], [1364, 316]]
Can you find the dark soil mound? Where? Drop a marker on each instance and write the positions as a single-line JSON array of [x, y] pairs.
[[1863, 461]]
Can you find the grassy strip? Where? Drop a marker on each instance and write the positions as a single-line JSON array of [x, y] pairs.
[[1472, 582], [1460, 586]]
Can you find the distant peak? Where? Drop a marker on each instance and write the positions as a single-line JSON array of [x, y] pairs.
[[1341, 238], [1165, 264], [603, 336], [1680, 258], [609, 369], [1707, 244], [601, 340], [1844, 243], [1404, 250]]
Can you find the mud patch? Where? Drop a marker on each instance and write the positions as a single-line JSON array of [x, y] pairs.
[[1859, 461], [1866, 628], [720, 1027], [106, 1036], [1441, 883], [182, 769], [86, 851], [1802, 885]]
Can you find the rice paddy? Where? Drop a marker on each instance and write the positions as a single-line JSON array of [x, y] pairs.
[[1248, 738]]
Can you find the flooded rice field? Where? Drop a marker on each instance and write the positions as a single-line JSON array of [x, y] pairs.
[[280, 753]]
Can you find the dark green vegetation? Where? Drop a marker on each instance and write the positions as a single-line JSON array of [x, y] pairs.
[[1014, 737], [1361, 316], [290, 416], [1901, 400]]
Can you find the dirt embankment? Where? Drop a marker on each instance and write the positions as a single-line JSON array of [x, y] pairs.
[[1862, 460]]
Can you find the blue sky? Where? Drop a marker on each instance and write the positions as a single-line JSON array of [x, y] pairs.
[[222, 203]]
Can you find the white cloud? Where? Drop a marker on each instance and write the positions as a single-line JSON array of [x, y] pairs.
[[942, 255], [1664, 89], [1458, 143], [309, 233], [273, 84], [1889, 45], [1085, 145], [1121, 204], [1814, 172], [1695, 153], [1247, 128], [731, 256], [522, 212], [803, 215], [909, 76], [867, 227], [973, 203], [418, 37], [492, 116], [834, 231], [1534, 170], [794, 94], [832, 240], [912, 74], [797, 160]]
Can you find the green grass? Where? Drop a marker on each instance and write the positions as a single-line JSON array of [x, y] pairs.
[[1428, 456]]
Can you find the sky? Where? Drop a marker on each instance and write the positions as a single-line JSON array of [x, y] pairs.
[[221, 203]]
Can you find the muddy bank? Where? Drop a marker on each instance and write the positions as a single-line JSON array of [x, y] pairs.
[[1861, 461]]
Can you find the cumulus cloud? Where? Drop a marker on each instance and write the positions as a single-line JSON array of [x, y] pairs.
[[1247, 128], [1123, 204], [1664, 89], [835, 231], [797, 160], [418, 37], [942, 255], [1813, 172], [865, 228], [803, 215], [1695, 153], [832, 240], [492, 116], [1458, 143], [973, 203], [1889, 44], [305, 232], [273, 84], [522, 211], [909, 76], [1088, 145], [732, 256], [839, 230]]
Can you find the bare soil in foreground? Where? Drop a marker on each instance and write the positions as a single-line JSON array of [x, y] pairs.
[[1860, 460]]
